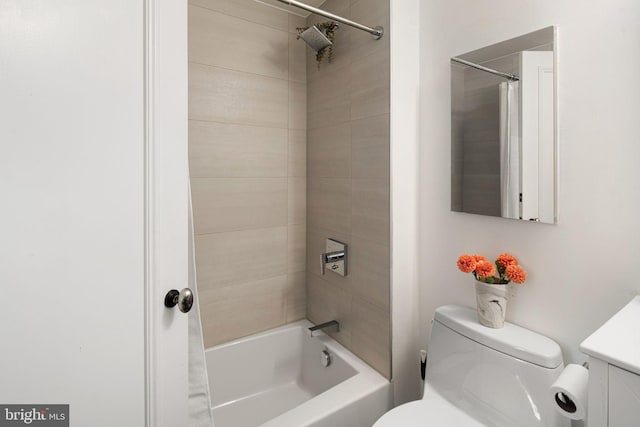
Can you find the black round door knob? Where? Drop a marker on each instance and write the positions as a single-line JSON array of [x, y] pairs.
[[183, 299]]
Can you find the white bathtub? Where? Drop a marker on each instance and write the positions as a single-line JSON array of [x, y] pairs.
[[276, 379]]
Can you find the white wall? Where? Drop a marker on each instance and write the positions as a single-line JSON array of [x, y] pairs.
[[406, 341], [583, 269]]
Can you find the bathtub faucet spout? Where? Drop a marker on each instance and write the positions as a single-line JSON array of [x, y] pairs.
[[333, 324]]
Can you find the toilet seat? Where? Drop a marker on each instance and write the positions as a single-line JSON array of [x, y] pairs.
[[432, 410]]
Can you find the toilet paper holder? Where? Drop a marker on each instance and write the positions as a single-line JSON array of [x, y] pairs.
[[565, 402]]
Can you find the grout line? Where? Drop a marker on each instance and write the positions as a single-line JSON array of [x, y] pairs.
[[202, 64], [245, 19], [240, 124]]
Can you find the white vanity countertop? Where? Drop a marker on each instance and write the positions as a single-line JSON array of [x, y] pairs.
[[617, 342]]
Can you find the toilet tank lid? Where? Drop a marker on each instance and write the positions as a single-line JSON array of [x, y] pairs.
[[513, 340]]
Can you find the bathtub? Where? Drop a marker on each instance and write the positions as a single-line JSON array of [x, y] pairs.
[[276, 379]]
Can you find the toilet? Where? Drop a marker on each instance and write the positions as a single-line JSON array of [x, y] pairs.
[[478, 376]]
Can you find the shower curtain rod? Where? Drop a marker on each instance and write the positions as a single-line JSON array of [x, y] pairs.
[[508, 76], [376, 32]]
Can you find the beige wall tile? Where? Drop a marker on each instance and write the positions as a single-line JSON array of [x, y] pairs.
[[329, 90], [370, 94], [221, 95], [295, 22], [297, 155], [329, 117], [248, 165], [328, 302], [242, 309], [329, 151], [329, 203], [297, 242], [224, 41], [371, 336], [250, 10], [374, 13], [297, 105], [371, 210], [227, 150], [350, 202], [225, 259], [370, 147], [370, 272], [297, 59], [296, 297], [229, 204], [297, 205]]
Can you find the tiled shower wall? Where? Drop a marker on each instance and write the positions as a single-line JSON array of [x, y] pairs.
[[348, 182], [247, 153]]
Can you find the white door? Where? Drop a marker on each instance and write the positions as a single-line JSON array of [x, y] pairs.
[[93, 180], [537, 139]]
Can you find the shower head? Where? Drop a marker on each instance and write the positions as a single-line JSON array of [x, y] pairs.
[[315, 38]]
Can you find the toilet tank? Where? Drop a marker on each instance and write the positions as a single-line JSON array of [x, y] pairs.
[[499, 376]]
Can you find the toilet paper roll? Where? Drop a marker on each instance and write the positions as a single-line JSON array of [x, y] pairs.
[[569, 392]]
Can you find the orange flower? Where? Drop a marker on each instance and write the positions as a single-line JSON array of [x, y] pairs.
[[485, 269], [466, 263], [479, 258], [505, 260], [516, 273]]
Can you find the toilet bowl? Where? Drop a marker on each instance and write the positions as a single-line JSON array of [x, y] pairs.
[[478, 376]]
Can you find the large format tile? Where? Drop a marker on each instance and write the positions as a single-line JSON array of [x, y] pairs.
[[297, 155], [329, 151], [243, 309], [233, 43], [371, 209], [250, 10], [328, 302], [296, 297], [370, 147], [224, 259], [297, 105], [370, 92], [297, 204], [371, 335], [297, 242], [226, 150], [228, 204], [332, 116], [221, 95], [329, 90], [329, 203], [370, 272], [372, 13], [297, 59]]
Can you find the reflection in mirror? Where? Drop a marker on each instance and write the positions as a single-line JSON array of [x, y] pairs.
[[503, 143]]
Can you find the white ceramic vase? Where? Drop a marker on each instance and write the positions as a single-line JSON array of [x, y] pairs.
[[492, 304]]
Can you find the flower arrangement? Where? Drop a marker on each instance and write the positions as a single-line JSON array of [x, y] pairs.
[[484, 271]]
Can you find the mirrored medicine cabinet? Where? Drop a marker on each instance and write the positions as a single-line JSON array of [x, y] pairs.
[[503, 129]]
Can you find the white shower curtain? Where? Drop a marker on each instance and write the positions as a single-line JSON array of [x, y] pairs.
[[509, 150], [199, 398]]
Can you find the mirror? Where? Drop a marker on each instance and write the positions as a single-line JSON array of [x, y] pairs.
[[503, 129]]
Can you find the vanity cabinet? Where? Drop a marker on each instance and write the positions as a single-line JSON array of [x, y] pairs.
[[614, 370]]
